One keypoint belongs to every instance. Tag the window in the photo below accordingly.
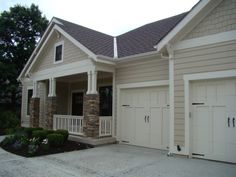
(29, 96)
(58, 52)
(105, 100)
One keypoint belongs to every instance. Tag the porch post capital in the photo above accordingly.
(89, 87)
(35, 89)
(52, 87)
(94, 82)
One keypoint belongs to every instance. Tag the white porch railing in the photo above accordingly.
(74, 124)
(105, 126)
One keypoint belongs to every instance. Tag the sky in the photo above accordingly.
(112, 17)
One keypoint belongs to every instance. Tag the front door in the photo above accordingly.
(77, 103)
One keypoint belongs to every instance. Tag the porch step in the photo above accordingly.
(93, 141)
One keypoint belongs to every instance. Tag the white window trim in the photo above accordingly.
(62, 52)
(133, 85)
(194, 77)
(28, 88)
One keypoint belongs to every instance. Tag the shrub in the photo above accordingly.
(24, 141)
(8, 140)
(29, 130)
(55, 140)
(17, 145)
(41, 134)
(50, 131)
(64, 133)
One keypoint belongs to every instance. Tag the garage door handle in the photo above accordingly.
(233, 122)
(148, 119)
(145, 118)
(228, 122)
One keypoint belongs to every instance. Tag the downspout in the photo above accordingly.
(170, 51)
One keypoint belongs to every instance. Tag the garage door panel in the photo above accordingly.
(127, 122)
(166, 128)
(201, 130)
(156, 127)
(218, 136)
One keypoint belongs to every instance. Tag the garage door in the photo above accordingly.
(145, 117)
(214, 119)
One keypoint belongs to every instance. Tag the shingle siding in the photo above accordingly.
(221, 19)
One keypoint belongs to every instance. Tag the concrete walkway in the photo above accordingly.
(111, 161)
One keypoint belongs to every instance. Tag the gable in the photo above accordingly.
(71, 53)
(221, 19)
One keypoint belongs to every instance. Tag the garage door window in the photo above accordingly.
(105, 100)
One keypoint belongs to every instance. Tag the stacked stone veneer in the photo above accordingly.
(51, 109)
(91, 115)
(34, 112)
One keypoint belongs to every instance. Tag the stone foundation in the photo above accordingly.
(34, 112)
(91, 115)
(51, 109)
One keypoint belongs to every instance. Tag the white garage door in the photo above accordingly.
(214, 119)
(145, 117)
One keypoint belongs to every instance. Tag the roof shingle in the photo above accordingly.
(139, 40)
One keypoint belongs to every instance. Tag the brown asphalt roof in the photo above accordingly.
(139, 40)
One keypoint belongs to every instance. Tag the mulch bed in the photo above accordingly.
(67, 147)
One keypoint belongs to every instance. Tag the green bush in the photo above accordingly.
(9, 140)
(55, 140)
(64, 133)
(29, 130)
(50, 131)
(41, 134)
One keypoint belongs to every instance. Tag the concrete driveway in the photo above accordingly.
(111, 161)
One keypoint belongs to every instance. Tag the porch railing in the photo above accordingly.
(74, 124)
(105, 126)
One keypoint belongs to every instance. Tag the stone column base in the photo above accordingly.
(91, 115)
(51, 109)
(34, 112)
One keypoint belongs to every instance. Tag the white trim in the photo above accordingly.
(52, 87)
(193, 77)
(143, 84)
(71, 99)
(89, 74)
(94, 82)
(113, 103)
(64, 70)
(119, 87)
(35, 89)
(171, 97)
(62, 52)
(206, 40)
(115, 48)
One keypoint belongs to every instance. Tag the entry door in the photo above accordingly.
(214, 105)
(77, 103)
(145, 117)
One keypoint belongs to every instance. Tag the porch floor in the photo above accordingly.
(93, 141)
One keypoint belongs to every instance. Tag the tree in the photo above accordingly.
(20, 30)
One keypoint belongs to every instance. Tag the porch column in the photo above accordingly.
(51, 103)
(34, 106)
(91, 107)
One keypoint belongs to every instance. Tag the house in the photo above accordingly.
(168, 85)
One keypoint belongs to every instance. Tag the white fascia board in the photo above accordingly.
(36, 49)
(206, 40)
(182, 24)
(144, 84)
(137, 56)
(64, 70)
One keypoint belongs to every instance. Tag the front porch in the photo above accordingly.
(80, 103)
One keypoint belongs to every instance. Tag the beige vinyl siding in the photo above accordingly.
(147, 69)
(71, 54)
(196, 60)
(221, 19)
(24, 117)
